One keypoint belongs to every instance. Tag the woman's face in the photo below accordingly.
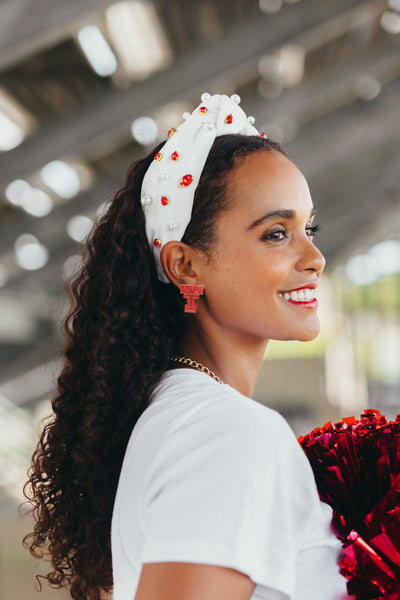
(263, 272)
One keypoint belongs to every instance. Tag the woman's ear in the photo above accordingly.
(177, 262)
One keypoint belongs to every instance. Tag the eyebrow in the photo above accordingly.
(284, 213)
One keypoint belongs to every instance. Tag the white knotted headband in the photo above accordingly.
(171, 180)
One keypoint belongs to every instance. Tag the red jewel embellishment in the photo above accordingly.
(228, 119)
(262, 134)
(164, 200)
(186, 180)
(158, 156)
(203, 110)
(171, 132)
(174, 156)
(157, 242)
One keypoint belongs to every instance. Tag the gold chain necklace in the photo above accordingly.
(195, 365)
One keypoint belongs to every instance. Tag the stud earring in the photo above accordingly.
(191, 293)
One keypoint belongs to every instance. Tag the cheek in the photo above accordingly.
(249, 277)
(248, 270)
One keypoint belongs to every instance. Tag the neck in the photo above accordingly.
(231, 356)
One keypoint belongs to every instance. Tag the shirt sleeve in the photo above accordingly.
(231, 488)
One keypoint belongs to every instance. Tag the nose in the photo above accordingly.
(310, 258)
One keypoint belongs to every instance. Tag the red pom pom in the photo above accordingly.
(356, 464)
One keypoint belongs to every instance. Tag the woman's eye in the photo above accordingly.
(312, 230)
(280, 234)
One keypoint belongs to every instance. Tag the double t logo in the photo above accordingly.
(191, 293)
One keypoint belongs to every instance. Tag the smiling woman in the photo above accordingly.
(160, 477)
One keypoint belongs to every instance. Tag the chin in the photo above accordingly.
(309, 335)
(304, 335)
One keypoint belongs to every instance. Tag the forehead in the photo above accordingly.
(267, 180)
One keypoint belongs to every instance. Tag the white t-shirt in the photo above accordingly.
(211, 476)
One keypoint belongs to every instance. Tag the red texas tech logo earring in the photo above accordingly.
(191, 293)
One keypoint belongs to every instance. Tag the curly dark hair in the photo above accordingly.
(121, 330)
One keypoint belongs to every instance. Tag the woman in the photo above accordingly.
(215, 498)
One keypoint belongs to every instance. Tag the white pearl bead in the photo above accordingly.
(173, 226)
(186, 115)
(235, 98)
(251, 120)
(164, 176)
(210, 126)
(205, 97)
(146, 200)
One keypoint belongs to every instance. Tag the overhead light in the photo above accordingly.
(37, 203)
(270, 7)
(15, 190)
(30, 253)
(78, 227)
(394, 5)
(367, 87)
(390, 22)
(15, 121)
(61, 178)
(33, 200)
(11, 135)
(291, 64)
(138, 38)
(99, 54)
(145, 130)
(268, 66)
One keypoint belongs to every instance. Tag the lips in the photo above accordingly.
(301, 295)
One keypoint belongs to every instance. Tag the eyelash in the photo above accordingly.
(311, 230)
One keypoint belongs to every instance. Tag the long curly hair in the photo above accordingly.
(121, 330)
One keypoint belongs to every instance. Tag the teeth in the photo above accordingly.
(305, 295)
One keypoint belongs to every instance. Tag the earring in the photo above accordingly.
(191, 293)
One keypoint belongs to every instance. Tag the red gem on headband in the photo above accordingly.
(164, 200)
(228, 119)
(157, 242)
(171, 132)
(186, 180)
(174, 156)
(203, 110)
(158, 156)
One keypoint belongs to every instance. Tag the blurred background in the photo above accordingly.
(88, 86)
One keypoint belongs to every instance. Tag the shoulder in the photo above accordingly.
(197, 409)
